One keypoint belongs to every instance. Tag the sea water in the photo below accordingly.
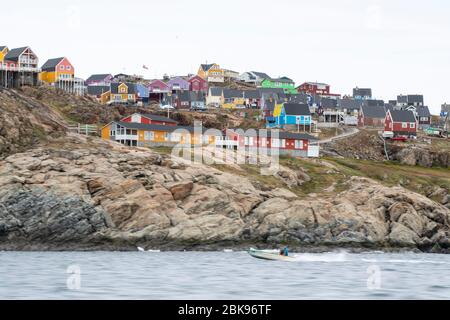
(222, 275)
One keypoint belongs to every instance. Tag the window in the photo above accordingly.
(166, 136)
(149, 135)
(404, 125)
(61, 67)
(68, 68)
(275, 143)
(283, 143)
(412, 125)
(298, 144)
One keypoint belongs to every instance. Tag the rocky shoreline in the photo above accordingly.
(78, 193)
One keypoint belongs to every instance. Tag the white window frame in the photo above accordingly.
(412, 125)
(404, 125)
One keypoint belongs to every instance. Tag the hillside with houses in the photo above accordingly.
(95, 161)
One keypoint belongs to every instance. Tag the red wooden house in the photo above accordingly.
(197, 83)
(371, 116)
(150, 119)
(400, 123)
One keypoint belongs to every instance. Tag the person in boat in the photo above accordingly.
(284, 252)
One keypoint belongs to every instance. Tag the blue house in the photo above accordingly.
(143, 93)
(291, 114)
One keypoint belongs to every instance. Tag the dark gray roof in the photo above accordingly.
(216, 91)
(270, 90)
(158, 118)
(413, 98)
(97, 90)
(252, 94)
(423, 111)
(362, 92)
(270, 105)
(271, 133)
(155, 127)
(232, 93)
(51, 64)
(98, 77)
(297, 109)
(373, 103)
(297, 98)
(373, 112)
(402, 99)
(14, 54)
(328, 103)
(196, 96)
(402, 116)
(115, 87)
(388, 106)
(350, 104)
(261, 74)
(206, 67)
(184, 96)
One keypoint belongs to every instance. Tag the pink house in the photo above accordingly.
(158, 86)
(197, 83)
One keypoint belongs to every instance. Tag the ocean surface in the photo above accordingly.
(222, 275)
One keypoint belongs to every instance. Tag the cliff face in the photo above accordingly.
(78, 193)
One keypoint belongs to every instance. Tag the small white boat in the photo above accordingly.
(269, 255)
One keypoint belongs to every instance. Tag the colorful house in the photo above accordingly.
(291, 114)
(290, 143)
(152, 135)
(400, 123)
(58, 69)
(423, 117)
(158, 86)
(215, 97)
(143, 93)
(99, 80)
(178, 83)
(371, 116)
(211, 72)
(254, 77)
(146, 118)
(197, 83)
(123, 93)
(101, 93)
(285, 83)
(233, 99)
(21, 58)
(3, 51)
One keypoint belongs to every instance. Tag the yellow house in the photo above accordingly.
(211, 72)
(3, 51)
(123, 93)
(277, 110)
(139, 134)
(55, 70)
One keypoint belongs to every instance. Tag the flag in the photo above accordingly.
(145, 67)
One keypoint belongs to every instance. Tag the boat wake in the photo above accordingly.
(321, 257)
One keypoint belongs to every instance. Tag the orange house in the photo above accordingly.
(58, 69)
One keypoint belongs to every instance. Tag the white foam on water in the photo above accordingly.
(321, 257)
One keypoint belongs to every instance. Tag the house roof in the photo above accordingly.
(184, 96)
(98, 77)
(252, 94)
(216, 91)
(115, 87)
(282, 79)
(402, 116)
(155, 127)
(206, 67)
(415, 98)
(362, 92)
(51, 64)
(97, 90)
(351, 104)
(298, 98)
(316, 83)
(373, 112)
(2, 48)
(271, 133)
(297, 109)
(423, 111)
(232, 93)
(261, 74)
(155, 117)
(373, 102)
(14, 54)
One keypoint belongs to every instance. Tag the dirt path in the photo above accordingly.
(345, 134)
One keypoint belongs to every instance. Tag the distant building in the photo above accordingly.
(230, 75)
(254, 77)
(423, 117)
(18, 67)
(362, 93)
(288, 85)
(445, 109)
(371, 116)
(373, 103)
(99, 80)
(123, 93)
(197, 83)
(401, 123)
(101, 93)
(178, 83)
(415, 100)
(58, 69)
(211, 73)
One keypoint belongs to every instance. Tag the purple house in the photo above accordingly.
(99, 80)
(178, 83)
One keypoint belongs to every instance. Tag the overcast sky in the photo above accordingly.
(392, 46)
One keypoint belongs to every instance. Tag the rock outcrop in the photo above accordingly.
(83, 193)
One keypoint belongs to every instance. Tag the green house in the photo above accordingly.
(288, 85)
